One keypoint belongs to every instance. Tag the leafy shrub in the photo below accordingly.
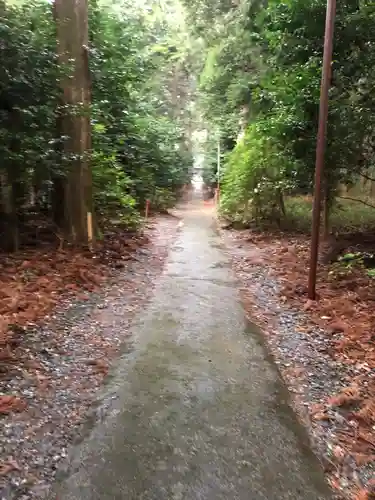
(138, 144)
(253, 183)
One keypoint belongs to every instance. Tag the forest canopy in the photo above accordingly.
(133, 119)
(259, 87)
(163, 83)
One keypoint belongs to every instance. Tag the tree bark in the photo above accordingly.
(9, 217)
(72, 40)
(281, 202)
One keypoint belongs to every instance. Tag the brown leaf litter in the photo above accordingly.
(345, 310)
(57, 349)
(32, 282)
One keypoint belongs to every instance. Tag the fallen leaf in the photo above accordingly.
(338, 327)
(100, 365)
(364, 495)
(9, 404)
(8, 466)
(321, 416)
(347, 396)
(309, 304)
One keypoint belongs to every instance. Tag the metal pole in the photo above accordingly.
(321, 143)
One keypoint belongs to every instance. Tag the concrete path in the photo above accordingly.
(200, 411)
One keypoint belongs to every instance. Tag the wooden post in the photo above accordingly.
(147, 209)
(90, 231)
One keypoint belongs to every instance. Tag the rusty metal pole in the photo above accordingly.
(321, 144)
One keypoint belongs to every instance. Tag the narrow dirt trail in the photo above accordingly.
(197, 409)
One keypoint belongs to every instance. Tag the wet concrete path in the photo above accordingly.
(200, 411)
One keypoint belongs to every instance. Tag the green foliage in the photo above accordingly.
(162, 199)
(255, 176)
(262, 69)
(291, 88)
(139, 134)
(209, 155)
(347, 216)
(250, 66)
(28, 92)
(140, 137)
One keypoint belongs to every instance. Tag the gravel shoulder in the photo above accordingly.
(317, 379)
(49, 395)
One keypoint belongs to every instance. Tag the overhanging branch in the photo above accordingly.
(356, 199)
(367, 177)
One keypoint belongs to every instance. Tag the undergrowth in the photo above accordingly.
(347, 215)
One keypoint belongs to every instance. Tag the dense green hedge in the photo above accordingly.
(262, 66)
(138, 151)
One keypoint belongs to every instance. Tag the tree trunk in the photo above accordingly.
(9, 226)
(58, 201)
(281, 202)
(72, 38)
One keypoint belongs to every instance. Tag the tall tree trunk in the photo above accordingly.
(9, 226)
(13, 182)
(72, 39)
(281, 202)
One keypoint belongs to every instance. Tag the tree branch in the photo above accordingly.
(356, 199)
(367, 177)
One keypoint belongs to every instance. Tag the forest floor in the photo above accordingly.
(325, 349)
(66, 315)
(51, 365)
